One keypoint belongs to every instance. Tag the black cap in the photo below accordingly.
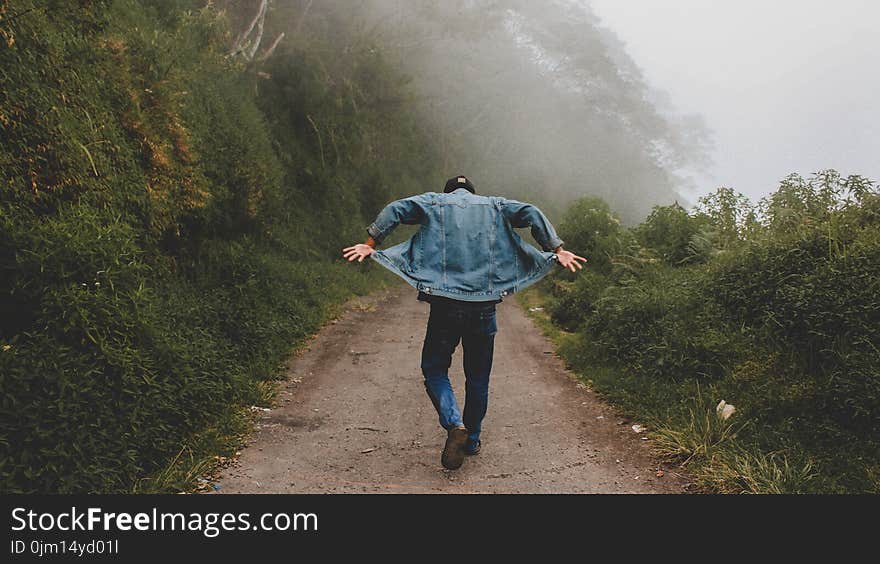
(457, 182)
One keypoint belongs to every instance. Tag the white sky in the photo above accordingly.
(785, 85)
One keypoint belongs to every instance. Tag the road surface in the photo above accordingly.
(353, 417)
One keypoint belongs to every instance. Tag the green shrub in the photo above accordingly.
(590, 229)
(675, 235)
(575, 301)
(664, 326)
(166, 234)
(729, 218)
(821, 311)
(783, 320)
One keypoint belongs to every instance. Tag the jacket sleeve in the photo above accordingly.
(409, 211)
(521, 214)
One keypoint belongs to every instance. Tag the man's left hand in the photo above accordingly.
(359, 252)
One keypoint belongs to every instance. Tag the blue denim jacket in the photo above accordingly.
(467, 248)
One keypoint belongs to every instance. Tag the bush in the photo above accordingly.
(576, 301)
(166, 234)
(820, 309)
(590, 229)
(675, 235)
(784, 319)
(664, 327)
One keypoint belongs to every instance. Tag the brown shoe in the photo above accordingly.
(453, 452)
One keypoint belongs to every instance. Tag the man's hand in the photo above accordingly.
(359, 252)
(569, 260)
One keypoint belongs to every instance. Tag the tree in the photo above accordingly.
(590, 229)
(673, 234)
(729, 214)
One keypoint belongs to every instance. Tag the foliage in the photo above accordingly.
(778, 311)
(575, 300)
(170, 228)
(663, 326)
(814, 298)
(675, 235)
(706, 435)
(590, 229)
(730, 215)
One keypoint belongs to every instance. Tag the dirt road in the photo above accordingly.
(353, 416)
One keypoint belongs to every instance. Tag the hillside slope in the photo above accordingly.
(169, 221)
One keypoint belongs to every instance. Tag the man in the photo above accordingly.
(465, 258)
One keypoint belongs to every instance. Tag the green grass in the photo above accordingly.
(170, 232)
(747, 453)
(197, 464)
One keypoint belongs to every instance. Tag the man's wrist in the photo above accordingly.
(376, 234)
(558, 249)
(370, 242)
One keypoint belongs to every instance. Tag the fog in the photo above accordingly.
(638, 102)
(785, 86)
(537, 101)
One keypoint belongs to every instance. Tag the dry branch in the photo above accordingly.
(271, 49)
(258, 20)
(263, 9)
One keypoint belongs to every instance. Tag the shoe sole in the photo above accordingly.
(453, 452)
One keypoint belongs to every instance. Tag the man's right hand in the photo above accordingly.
(569, 260)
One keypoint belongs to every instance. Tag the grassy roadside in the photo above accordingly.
(197, 465)
(684, 424)
(744, 334)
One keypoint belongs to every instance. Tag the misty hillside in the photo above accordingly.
(171, 215)
(536, 100)
(532, 100)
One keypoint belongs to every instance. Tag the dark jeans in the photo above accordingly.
(475, 328)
